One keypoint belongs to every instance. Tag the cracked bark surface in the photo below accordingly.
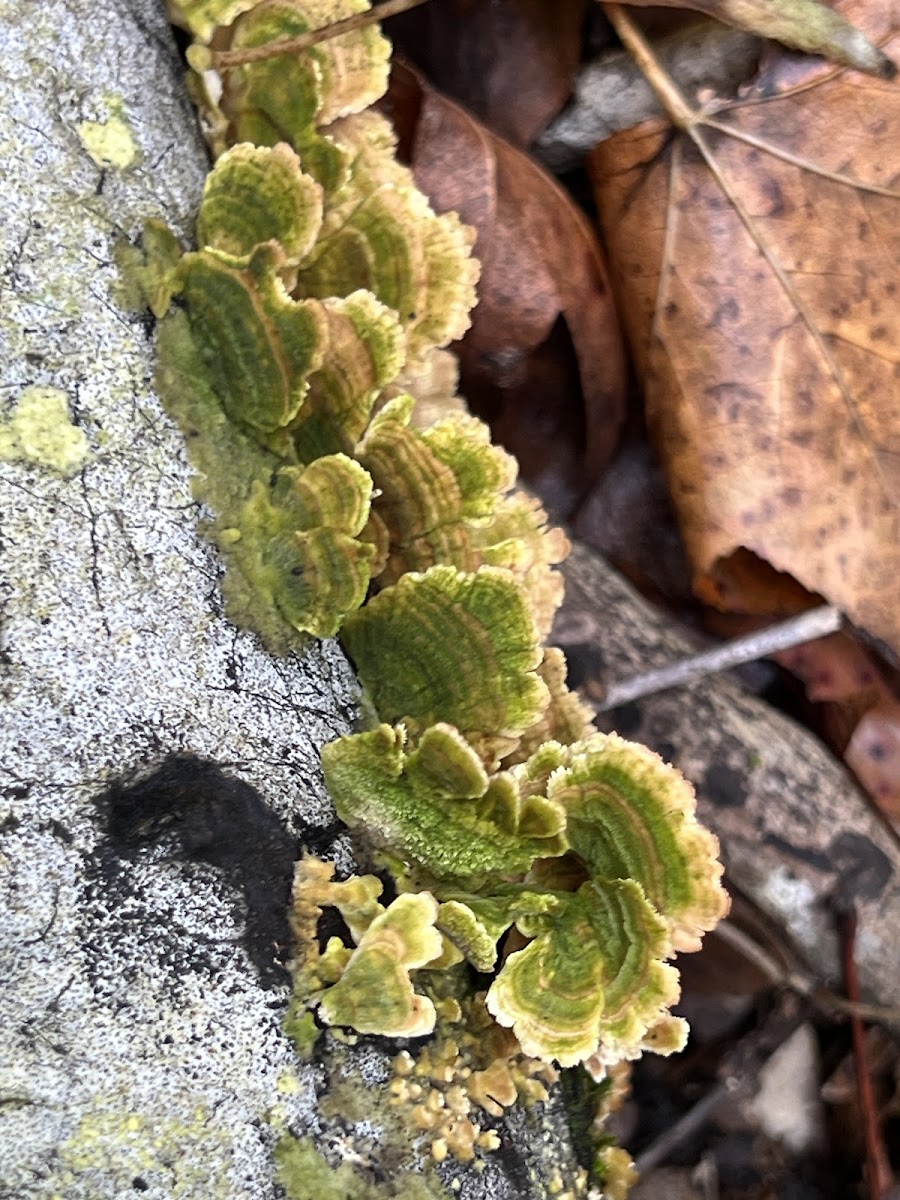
(158, 769)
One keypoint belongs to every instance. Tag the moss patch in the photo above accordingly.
(306, 1175)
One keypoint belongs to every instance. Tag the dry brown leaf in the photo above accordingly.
(834, 668)
(874, 755)
(807, 25)
(544, 356)
(512, 63)
(770, 358)
(746, 584)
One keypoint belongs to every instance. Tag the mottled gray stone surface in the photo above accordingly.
(141, 1043)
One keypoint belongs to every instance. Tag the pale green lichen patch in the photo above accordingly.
(123, 1145)
(300, 1026)
(110, 143)
(41, 431)
(305, 1174)
(157, 276)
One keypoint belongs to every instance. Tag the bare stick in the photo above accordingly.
(221, 60)
(878, 1171)
(794, 632)
(693, 1120)
(802, 982)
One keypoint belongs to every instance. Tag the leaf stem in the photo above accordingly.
(222, 60)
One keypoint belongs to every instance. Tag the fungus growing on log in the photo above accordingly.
(566, 863)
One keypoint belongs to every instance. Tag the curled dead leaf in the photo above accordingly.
(806, 25)
(543, 357)
(512, 63)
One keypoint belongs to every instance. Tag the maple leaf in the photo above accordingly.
(757, 267)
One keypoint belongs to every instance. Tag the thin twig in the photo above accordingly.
(794, 632)
(221, 60)
(878, 1170)
(692, 1121)
(792, 977)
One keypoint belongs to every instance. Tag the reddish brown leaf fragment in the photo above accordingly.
(543, 285)
(512, 63)
(874, 755)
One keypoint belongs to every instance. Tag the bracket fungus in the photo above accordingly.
(451, 646)
(631, 816)
(435, 805)
(592, 980)
(566, 863)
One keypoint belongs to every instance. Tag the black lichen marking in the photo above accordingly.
(865, 870)
(121, 928)
(527, 1156)
(724, 786)
(224, 822)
